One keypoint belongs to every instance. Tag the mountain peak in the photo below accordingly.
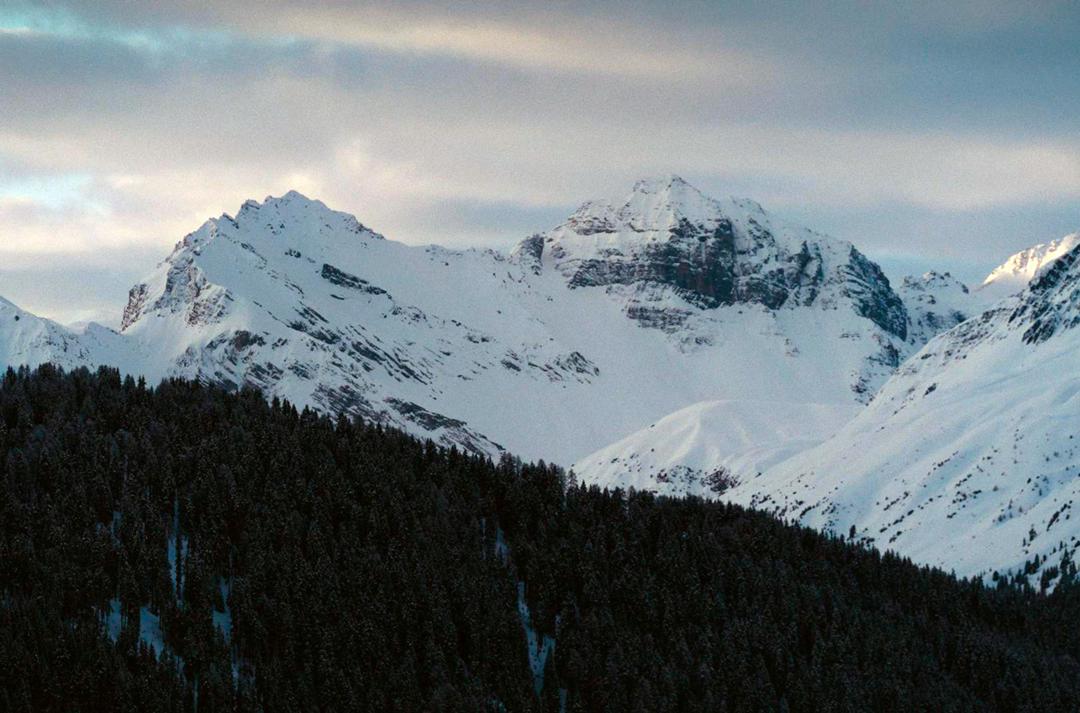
(1021, 268)
(292, 198)
(667, 234)
(657, 205)
(1051, 302)
(662, 182)
(296, 213)
(665, 201)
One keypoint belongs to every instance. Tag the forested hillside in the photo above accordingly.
(180, 548)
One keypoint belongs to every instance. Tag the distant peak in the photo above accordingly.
(291, 198)
(935, 276)
(1022, 267)
(933, 280)
(664, 182)
(295, 198)
(293, 212)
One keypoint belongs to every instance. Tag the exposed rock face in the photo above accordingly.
(713, 253)
(137, 296)
(865, 283)
(1052, 302)
(343, 279)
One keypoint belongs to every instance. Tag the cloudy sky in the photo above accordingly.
(930, 134)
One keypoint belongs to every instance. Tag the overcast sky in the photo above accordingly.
(932, 135)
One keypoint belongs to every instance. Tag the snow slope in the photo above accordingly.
(968, 458)
(707, 447)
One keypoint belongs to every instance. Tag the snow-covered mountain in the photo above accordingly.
(969, 457)
(1014, 274)
(627, 312)
(668, 242)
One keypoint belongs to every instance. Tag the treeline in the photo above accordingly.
(181, 548)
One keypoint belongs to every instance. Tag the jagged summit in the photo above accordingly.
(296, 213)
(709, 253)
(662, 182)
(672, 189)
(292, 218)
(663, 202)
(655, 207)
(933, 278)
(1051, 302)
(291, 199)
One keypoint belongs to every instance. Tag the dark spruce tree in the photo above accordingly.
(185, 549)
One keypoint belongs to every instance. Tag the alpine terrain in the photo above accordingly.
(969, 457)
(666, 341)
